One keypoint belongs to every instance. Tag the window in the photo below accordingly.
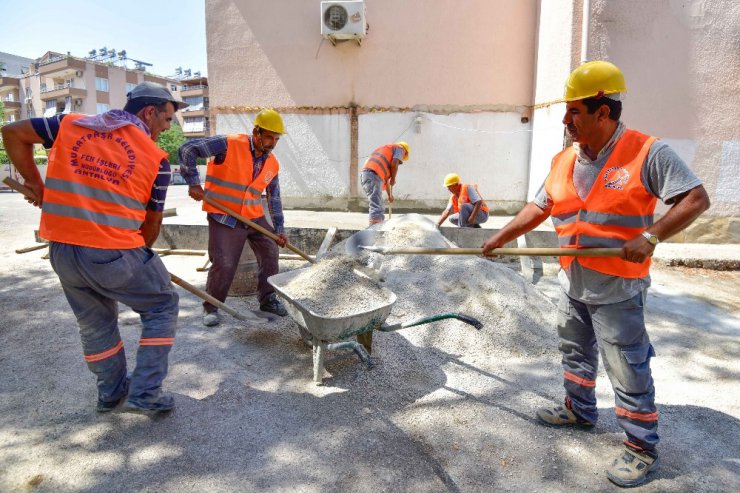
(193, 100)
(102, 108)
(52, 103)
(130, 87)
(101, 84)
(173, 87)
(194, 124)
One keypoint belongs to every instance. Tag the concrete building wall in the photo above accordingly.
(464, 70)
(682, 65)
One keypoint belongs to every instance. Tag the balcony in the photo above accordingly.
(11, 103)
(9, 84)
(62, 68)
(62, 90)
(198, 90)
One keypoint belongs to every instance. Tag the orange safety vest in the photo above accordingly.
(380, 162)
(617, 209)
(97, 186)
(231, 183)
(455, 201)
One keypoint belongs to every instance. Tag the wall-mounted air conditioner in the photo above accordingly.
(343, 19)
(78, 102)
(78, 73)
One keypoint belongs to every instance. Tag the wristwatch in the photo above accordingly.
(652, 239)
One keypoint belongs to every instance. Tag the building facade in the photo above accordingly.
(57, 83)
(471, 86)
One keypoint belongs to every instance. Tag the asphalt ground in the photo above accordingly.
(250, 418)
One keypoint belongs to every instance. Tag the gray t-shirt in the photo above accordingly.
(666, 175)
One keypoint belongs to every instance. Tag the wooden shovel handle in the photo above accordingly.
(256, 226)
(527, 252)
(19, 187)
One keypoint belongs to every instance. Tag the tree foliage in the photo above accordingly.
(170, 141)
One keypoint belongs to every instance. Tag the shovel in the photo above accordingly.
(255, 226)
(365, 240)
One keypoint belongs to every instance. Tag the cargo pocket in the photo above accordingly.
(638, 357)
(154, 269)
(111, 269)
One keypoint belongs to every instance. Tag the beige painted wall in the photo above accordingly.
(681, 60)
(417, 52)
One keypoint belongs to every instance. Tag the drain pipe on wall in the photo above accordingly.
(584, 30)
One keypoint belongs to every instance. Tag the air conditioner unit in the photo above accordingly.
(78, 102)
(78, 73)
(343, 20)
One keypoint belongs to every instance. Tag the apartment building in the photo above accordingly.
(12, 68)
(58, 83)
(196, 121)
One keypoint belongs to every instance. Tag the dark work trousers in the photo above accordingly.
(225, 247)
(618, 332)
(95, 280)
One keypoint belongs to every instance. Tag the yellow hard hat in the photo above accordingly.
(405, 149)
(597, 78)
(452, 179)
(271, 120)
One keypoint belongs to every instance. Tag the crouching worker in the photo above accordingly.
(466, 208)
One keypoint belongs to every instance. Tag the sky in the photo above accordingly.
(165, 33)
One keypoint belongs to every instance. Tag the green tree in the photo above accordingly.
(170, 141)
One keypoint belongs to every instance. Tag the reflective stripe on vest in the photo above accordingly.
(231, 182)
(617, 209)
(465, 199)
(97, 186)
(380, 162)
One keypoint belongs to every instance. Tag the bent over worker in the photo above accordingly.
(602, 192)
(466, 208)
(378, 174)
(244, 167)
(101, 210)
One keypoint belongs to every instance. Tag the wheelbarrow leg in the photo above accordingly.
(319, 353)
(366, 340)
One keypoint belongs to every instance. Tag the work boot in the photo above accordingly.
(108, 406)
(562, 415)
(210, 319)
(272, 305)
(165, 403)
(632, 466)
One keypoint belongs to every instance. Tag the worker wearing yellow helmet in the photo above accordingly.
(242, 169)
(378, 174)
(602, 192)
(466, 207)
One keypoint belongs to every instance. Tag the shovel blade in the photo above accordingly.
(359, 240)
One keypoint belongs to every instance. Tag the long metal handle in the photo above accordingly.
(527, 252)
(432, 318)
(259, 228)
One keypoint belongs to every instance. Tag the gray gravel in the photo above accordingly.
(446, 408)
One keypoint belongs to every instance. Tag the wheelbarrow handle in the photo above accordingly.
(432, 318)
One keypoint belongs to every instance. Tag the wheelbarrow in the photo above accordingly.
(326, 333)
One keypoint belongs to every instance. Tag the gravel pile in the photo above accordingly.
(518, 319)
(333, 288)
